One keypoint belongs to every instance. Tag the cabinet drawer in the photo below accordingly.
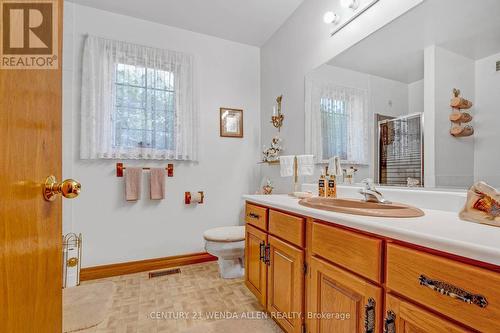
(446, 286)
(256, 216)
(287, 227)
(358, 253)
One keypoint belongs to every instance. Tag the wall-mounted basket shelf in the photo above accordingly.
(458, 117)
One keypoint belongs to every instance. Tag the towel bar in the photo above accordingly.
(120, 168)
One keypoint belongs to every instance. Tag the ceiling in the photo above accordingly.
(250, 22)
(469, 28)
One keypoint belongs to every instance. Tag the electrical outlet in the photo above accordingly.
(498, 66)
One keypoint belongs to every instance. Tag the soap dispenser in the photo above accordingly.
(336, 170)
(331, 190)
(322, 185)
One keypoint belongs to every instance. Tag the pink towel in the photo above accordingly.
(157, 183)
(133, 178)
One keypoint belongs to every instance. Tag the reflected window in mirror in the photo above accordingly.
(336, 122)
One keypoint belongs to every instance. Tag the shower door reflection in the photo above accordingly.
(400, 151)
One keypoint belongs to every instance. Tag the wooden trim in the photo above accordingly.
(104, 271)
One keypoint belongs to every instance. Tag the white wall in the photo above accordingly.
(416, 97)
(116, 231)
(453, 158)
(388, 97)
(300, 45)
(486, 121)
(429, 116)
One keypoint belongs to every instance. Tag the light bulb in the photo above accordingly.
(330, 17)
(353, 4)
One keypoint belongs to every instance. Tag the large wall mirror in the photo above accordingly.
(384, 105)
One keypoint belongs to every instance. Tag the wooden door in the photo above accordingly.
(30, 227)
(341, 301)
(404, 317)
(255, 267)
(285, 284)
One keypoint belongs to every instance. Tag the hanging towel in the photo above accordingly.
(305, 165)
(286, 165)
(334, 166)
(157, 183)
(133, 178)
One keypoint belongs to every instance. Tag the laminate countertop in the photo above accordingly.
(439, 230)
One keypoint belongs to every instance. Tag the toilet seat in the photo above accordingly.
(225, 234)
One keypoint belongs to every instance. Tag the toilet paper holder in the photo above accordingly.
(196, 197)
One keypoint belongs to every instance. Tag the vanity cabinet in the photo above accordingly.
(274, 264)
(347, 281)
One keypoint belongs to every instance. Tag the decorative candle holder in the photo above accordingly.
(278, 117)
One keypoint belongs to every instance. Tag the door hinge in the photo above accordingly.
(305, 268)
(304, 329)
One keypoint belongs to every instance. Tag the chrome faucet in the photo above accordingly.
(370, 192)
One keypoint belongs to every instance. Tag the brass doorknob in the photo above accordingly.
(69, 188)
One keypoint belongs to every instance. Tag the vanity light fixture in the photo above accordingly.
(331, 18)
(357, 6)
(352, 4)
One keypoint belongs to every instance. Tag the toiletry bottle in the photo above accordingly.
(322, 185)
(331, 191)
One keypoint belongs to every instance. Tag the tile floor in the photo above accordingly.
(158, 305)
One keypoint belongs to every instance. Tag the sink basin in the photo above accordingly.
(359, 207)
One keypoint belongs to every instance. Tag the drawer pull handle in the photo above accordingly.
(262, 251)
(370, 316)
(452, 291)
(254, 216)
(390, 322)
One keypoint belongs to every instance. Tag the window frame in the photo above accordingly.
(147, 109)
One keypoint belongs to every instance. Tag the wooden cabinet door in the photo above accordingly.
(255, 268)
(404, 317)
(285, 284)
(341, 301)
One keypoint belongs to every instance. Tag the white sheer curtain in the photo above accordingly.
(336, 122)
(108, 64)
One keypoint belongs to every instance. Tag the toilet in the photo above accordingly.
(228, 245)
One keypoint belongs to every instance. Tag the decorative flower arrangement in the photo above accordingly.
(272, 154)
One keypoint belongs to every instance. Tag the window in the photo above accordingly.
(144, 112)
(138, 102)
(334, 123)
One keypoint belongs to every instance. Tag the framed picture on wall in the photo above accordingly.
(231, 123)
